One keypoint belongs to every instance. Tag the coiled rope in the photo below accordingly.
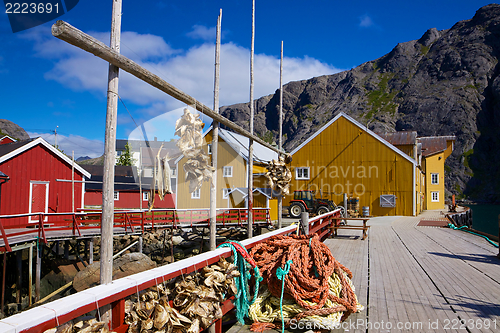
(241, 258)
(307, 282)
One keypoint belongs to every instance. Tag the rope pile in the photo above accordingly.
(316, 286)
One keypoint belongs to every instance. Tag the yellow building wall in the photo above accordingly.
(434, 164)
(345, 159)
(226, 157)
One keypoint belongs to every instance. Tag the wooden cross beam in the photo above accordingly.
(73, 36)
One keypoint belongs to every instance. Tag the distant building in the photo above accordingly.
(6, 139)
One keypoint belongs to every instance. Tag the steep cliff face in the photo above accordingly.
(7, 127)
(445, 83)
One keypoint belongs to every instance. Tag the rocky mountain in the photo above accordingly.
(445, 83)
(7, 127)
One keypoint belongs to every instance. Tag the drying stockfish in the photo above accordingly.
(196, 301)
(197, 167)
(161, 178)
(279, 175)
(87, 326)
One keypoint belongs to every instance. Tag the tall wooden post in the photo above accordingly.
(91, 251)
(38, 270)
(280, 139)
(30, 275)
(2, 301)
(108, 186)
(215, 141)
(250, 148)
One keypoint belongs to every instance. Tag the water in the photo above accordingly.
(485, 218)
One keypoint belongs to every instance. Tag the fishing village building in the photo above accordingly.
(344, 157)
(232, 176)
(40, 181)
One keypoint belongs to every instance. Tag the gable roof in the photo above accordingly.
(11, 150)
(2, 139)
(400, 138)
(363, 128)
(240, 144)
(435, 144)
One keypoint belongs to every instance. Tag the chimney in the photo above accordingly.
(156, 139)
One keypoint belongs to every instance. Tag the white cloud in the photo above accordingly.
(202, 32)
(80, 145)
(365, 21)
(191, 70)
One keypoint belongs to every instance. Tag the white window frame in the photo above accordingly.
(436, 193)
(227, 171)
(435, 176)
(299, 173)
(145, 196)
(209, 149)
(225, 193)
(116, 195)
(196, 194)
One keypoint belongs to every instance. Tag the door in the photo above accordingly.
(39, 199)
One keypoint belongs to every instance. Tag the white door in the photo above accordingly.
(39, 199)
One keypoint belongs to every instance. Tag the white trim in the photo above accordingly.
(193, 194)
(38, 141)
(145, 196)
(414, 190)
(432, 196)
(117, 196)
(302, 177)
(6, 136)
(432, 178)
(362, 127)
(83, 196)
(229, 174)
(225, 192)
(46, 208)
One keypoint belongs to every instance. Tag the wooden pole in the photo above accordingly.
(106, 262)
(280, 140)
(250, 148)
(71, 35)
(38, 270)
(215, 142)
(91, 251)
(73, 182)
(30, 275)
(19, 257)
(2, 301)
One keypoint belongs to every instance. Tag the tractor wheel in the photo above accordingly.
(296, 209)
(322, 210)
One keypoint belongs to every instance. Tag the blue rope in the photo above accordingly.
(280, 273)
(241, 302)
(464, 228)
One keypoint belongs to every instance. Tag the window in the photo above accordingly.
(302, 173)
(435, 196)
(434, 178)
(227, 171)
(209, 148)
(174, 172)
(225, 193)
(387, 200)
(195, 194)
(145, 196)
(116, 196)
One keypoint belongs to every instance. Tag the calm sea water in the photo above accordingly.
(485, 218)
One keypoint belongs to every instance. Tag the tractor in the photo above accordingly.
(304, 201)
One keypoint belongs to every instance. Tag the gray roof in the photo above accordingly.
(240, 144)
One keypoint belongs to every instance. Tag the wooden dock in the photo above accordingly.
(419, 279)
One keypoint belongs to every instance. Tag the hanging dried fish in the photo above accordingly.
(197, 167)
(279, 175)
(161, 178)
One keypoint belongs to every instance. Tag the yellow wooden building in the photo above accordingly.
(430, 154)
(345, 157)
(232, 176)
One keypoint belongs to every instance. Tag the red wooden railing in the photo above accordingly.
(129, 221)
(58, 312)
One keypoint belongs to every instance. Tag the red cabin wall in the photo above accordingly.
(37, 164)
(5, 140)
(129, 200)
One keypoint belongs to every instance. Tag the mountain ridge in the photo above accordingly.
(445, 83)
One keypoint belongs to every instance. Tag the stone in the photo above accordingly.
(125, 265)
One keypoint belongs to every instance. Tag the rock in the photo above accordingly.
(125, 265)
(7, 127)
(176, 240)
(445, 83)
(59, 276)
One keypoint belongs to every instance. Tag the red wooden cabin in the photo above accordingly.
(39, 175)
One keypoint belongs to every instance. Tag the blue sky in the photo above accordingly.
(47, 83)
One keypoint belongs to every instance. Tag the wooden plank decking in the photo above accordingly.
(424, 279)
